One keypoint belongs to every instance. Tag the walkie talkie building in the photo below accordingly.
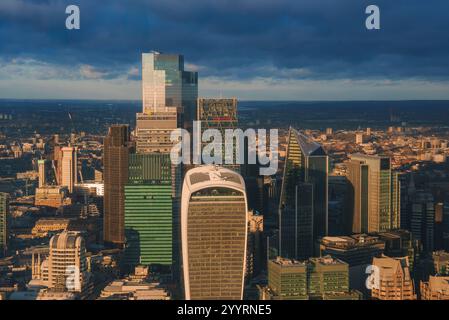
(214, 233)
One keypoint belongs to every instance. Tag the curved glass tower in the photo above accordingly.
(214, 233)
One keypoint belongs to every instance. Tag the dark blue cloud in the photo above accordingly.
(237, 39)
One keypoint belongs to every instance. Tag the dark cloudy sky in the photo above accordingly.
(252, 49)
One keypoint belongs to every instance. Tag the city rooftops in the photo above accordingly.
(368, 156)
(285, 262)
(327, 260)
(353, 241)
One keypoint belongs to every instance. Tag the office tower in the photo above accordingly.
(42, 172)
(148, 210)
(323, 278)
(296, 222)
(57, 164)
(376, 194)
(392, 280)
(329, 131)
(423, 219)
(437, 288)
(4, 211)
(67, 265)
(214, 233)
(69, 167)
(303, 208)
(339, 215)
(255, 258)
(117, 147)
(165, 83)
(169, 97)
(442, 226)
(219, 114)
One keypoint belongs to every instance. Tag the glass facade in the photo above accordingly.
(303, 203)
(216, 227)
(166, 84)
(149, 211)
(214, 233)
(376, 190)
(219, 114)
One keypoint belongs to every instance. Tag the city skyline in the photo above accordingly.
(211, 180)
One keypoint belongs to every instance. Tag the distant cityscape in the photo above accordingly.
(93, 207)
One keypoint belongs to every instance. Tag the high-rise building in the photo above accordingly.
(117, 147)
(392, 279)
(42, 173)
(219, 114)
(423, 219)
(149, 211)
(169, 95)
(67, 265)
(165, 83)
(69, 167)
(376, 194)
(4, 208)
(303, 207)
(214, 233)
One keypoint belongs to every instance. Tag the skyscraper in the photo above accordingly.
(117, 147)
(423, 219)
(4, 207)
(376, 194)
(303, 211)
(166, 85)
(69, 167)
(219, 114)
(169, 95)
(214, 233)
(148, 210)
(42, 173)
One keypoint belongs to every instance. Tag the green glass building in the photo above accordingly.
(149, 211)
